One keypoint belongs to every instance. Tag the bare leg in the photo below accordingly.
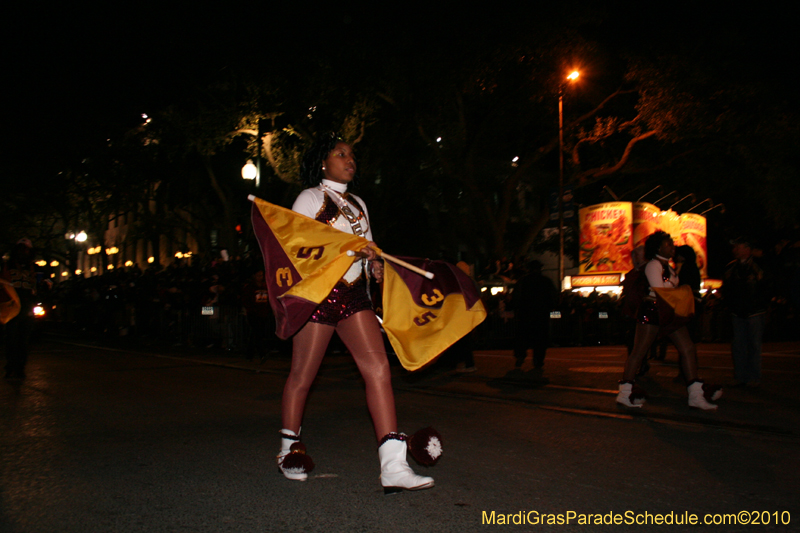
(362, 336)
(688, 353)
(308, 349)
(696, 389)
(645, 335)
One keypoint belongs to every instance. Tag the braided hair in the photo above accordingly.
(311, 166)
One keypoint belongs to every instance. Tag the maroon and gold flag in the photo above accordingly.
(423, 317)
(303, 260)
(9, 302)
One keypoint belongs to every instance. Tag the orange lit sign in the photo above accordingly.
(646, 218)
(610, 232)
(606, 238)
(596, 281)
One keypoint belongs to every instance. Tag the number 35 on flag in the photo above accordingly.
(437, 297)
(426, 317)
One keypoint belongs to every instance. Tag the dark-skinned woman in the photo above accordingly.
(659, 249)
(327, 169)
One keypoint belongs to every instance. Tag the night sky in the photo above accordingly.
(78, 75)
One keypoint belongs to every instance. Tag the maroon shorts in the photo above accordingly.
(343, 302)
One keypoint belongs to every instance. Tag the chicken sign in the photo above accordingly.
(606, 238)
(610, 232)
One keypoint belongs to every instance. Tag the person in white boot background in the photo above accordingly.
(659, 249)
(327, 169)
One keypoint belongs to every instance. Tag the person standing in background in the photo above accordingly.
(745, 289)
(255, 300)
(689, 274)
(533, 297)
(463, 348)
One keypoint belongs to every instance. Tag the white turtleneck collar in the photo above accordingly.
(341, 188)
(662, 258)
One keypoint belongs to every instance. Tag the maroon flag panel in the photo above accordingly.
(448, 279)
(280, 274)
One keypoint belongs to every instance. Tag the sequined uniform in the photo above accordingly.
(659, 274)
(349, 296)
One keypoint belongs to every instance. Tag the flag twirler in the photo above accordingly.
(423, 317)
(303, 260)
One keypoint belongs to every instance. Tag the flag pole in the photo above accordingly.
(400, 262)
(411, 267)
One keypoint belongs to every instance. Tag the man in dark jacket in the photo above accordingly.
(745, 291)
(532, 300)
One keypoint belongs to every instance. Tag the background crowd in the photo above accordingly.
(221, 304)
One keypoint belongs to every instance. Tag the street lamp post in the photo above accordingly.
(572, 77)
(73, 251)
(252, 171)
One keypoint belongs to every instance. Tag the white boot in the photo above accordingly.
(395, 472)
(288, 437)
(697, 397)
(624, 396)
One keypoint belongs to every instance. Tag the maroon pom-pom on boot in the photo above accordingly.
(630, 395)
(425, 446)
(292, 459)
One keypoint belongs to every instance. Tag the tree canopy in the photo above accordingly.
(455, 127)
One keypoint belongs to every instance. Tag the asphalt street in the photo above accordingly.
(111, 437)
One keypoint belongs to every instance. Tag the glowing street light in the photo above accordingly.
(249, 170)
(252, 171)
(572, 77)
(73, 248)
